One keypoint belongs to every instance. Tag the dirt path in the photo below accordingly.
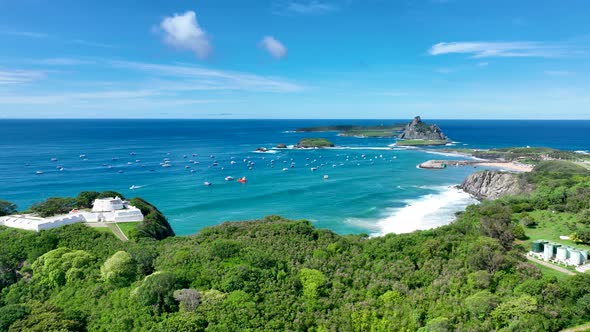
(117, 231)
(551, 266)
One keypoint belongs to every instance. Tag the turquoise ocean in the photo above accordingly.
(370, 187)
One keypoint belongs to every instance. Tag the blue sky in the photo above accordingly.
(472, 59)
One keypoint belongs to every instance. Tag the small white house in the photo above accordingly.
(103, 210)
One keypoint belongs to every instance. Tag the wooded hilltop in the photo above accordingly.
(277, 274)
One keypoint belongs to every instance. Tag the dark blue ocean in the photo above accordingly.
(371, 188)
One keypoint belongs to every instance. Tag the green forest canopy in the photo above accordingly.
(277, 274)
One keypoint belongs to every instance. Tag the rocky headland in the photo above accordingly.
(493, 184)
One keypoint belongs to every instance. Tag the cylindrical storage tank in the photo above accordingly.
(584, 254)
(561, 254)
(537, 246)
(555, 246)
(575, 257)
(569, 251)
(548, 252)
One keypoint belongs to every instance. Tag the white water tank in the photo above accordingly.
(575, 257)
(548, 252)
(561, 254)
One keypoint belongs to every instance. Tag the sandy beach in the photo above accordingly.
(509, 166)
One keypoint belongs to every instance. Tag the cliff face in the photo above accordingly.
(492, 184)
(420, 130)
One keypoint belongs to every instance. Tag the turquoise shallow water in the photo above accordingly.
(371, 188)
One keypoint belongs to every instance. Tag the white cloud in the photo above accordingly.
(62, 62)
(313, 7)
(27, 34)
(273, 47)
(19, 76)
(89, 43)
(198, 78)
(482, 64)
(500, 49)
(183, 31)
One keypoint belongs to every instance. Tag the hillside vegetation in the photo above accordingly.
(277, 274)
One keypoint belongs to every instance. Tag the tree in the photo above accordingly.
(481, 303)
(86, 198)
(61, 265)
(154, 225)
(582, 236)
(54, 206)
(528, 222)
(44, 318)
(311, 280)
(110, 194)
(496, 224)
(119, 269)
(189, 299)
(157, 291)
(10, 314)
(519, 232)
(584, 217)
(7, 208)
(513, 309)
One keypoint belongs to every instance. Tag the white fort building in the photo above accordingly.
(103, 210)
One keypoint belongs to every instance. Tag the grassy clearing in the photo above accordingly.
(551, 272)
(550, 227)
(128, 227)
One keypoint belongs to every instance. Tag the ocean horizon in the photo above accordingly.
(371, 188)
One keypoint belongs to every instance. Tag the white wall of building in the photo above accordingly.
(103, 210)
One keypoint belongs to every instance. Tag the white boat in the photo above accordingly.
(38, 172)
(82, 156)
(133, 187)
(285, 169)
(166, 165)
(207, 183)
(326, 177)
(53, 159)
(229, 178)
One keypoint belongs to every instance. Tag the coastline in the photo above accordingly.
(511, 166)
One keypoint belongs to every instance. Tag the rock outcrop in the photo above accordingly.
(492, 184)
(420, 130)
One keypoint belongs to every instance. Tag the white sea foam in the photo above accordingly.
(267, 151)
(426, 212)
(448, 154)
(582, 152)
(360, 148)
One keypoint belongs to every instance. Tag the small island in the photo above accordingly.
(357, 131)
(418, 133)
(307, 143)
